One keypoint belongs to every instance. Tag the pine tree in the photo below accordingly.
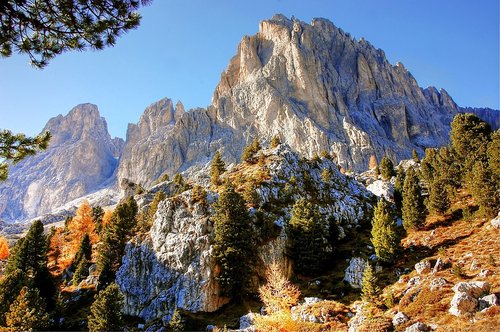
(398, 188)
(275, 141)
(247, 154)
(413, 203)
(10, 286)
(176, 323)
(369, 289)
(386, 168)
(27, 312)
(484, 189)
(85, 251)
(377, 171)
(469, 137)
(217, 168)
(82, 271)
(233, 244)
(384, 232)
(414, 156)
(493, 154)
(326, 175)
(438, 197)
(306, 234)
(256, 145)
(105, 312)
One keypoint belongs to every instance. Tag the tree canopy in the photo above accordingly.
(46, 28)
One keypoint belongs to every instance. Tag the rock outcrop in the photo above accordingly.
(81, 158)
(311, 84)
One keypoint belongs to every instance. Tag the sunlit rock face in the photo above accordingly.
(311, 84)
(81, 158)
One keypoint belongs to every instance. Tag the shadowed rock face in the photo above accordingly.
(311, 84)
(81, 157)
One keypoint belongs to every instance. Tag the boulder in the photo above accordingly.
(354, 272)
(399, 318)
(473, 288)
(485, 273)
(487, 301)
(246, 321)
(495, 222)
(415, 281)
(418, 327)
(423, 267)
(462, 303)
(437, 283)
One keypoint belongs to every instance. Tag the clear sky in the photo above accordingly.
(182, 46)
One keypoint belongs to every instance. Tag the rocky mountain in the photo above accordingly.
(311, 84)
(81, 158)
(486, 114)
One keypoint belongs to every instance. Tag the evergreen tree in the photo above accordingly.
(384, 232)
(176, 323)
(233, 244)
(326, 175)
(82, 271)
(16, 147)
(369, 289)
(386, 168)
(84, 251)
(398, 188)
(438, 197)
(217, 168)
(146, 219)
(469, 137)
(105, 312)
(10, 286)
(484, 189)
(413, 203)
(247, 154)
(306, 234)
(377, 171)
(256, 145)
(27, 312)
(414, 156)
(275, 141)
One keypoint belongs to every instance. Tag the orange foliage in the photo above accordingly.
(64, 245)
(373, 162)
(278, 294)
(4, 248)
(106, 218)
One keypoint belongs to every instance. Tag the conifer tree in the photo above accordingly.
(386, 168)
(27, 312)
(438, 197)
(398, 188)
(176, 323)
(216, 169)
(307, 234)
(4, 248)
(275, 141)
(469, 137)
(413, 204)
(233, 244)
(82, 271)
(384, 232)
(369, 288)
(493, 154)
(326, 175)
(256, 145)
(105, 312)
(484, 189)
(10, 286)
(97, 215)
(377, 171)
(414, 156)
(84, 251)
(278, 294)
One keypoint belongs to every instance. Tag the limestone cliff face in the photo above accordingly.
(311, 84)
(81, 158)
(173, 266)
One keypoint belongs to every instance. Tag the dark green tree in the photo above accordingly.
(384, 233)
(413, 203)
(233, 244)
(216, 169)
(386, 168)
(82, 271)
(105, 312)
(176, 323)
(493, 154)
(398, 188)
(439, 201)
(414, 156)
(247, 154)
(27, 312)
(369, 288)
(484, 189)
(16, 147)
(44, 29)
(306, 232)
(10, 286)
(84, 251)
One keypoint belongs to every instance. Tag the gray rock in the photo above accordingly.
(487, 301)
(399, 318)
(462, 303)
(437, 283)
(418, 327)
(246, 321)
(440, 265)
(473, 288)
(415, 281)
(495, 222)
(423, 267)
(485, 273)
(354, 272)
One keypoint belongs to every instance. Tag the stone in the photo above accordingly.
(399, 318)
(473, 288)
(246, 321)
(383, 189)
(354, 272)
(437, 283)
(495, 222)
(485, 273)
(415, 281)
(440, 265)
(474, 265)
(487, 301)
(423, 267)
(418, 327)
(462, 303)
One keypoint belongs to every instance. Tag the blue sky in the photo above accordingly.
(181, 48)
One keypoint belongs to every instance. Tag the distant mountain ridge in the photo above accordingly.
(311, 84)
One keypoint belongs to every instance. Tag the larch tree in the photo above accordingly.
(10, 286)
(384, 233)
(275, 141)
(216, 169)
(278, 294)
(44, 29)
(4, 248)
(386, 168)
(413, 210)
